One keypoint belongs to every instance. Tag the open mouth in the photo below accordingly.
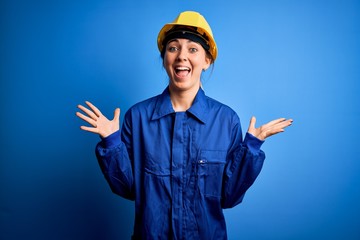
(182, 71)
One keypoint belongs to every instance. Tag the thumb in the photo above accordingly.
(116, 114)
(252, 122)
(251, 128)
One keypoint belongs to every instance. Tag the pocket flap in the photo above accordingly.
(212, 156)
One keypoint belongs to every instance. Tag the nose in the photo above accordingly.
(182, 56)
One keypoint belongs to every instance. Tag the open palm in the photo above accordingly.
(268, 129)
(100, 124)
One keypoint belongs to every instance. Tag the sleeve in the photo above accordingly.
(244, 163)
(115, 163)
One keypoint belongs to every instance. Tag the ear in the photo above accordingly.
(207, 63)
(163, 61)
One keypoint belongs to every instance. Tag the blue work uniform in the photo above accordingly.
(181, 168)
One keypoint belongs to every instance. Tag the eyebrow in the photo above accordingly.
(177, 40)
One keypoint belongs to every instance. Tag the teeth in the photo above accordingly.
(182, 68)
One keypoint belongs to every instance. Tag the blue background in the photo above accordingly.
(298, 59)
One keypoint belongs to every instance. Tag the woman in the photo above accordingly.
(180, 155)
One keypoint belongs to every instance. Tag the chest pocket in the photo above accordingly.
(210, 166)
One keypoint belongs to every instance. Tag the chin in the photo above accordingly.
(183, 86)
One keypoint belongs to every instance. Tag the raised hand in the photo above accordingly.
(100, 124)
(268, 129)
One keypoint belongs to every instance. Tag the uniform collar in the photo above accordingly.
(198, 109)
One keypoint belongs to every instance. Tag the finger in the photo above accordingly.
(284, 124)
(116, 114)
(86, 119)
(278, 128)
(287, 123)
(88, 112)
(89, 129)
(252, 123)
(95, 109)
(273, 122)
(273, 132)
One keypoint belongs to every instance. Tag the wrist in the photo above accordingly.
(111, 140)
(253, 143)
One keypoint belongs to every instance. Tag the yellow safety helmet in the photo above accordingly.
(194, 20)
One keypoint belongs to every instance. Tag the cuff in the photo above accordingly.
(112, 140)
(253, 143)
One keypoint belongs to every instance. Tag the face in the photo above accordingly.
(184, 61)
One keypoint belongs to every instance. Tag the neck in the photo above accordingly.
(182, 100)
